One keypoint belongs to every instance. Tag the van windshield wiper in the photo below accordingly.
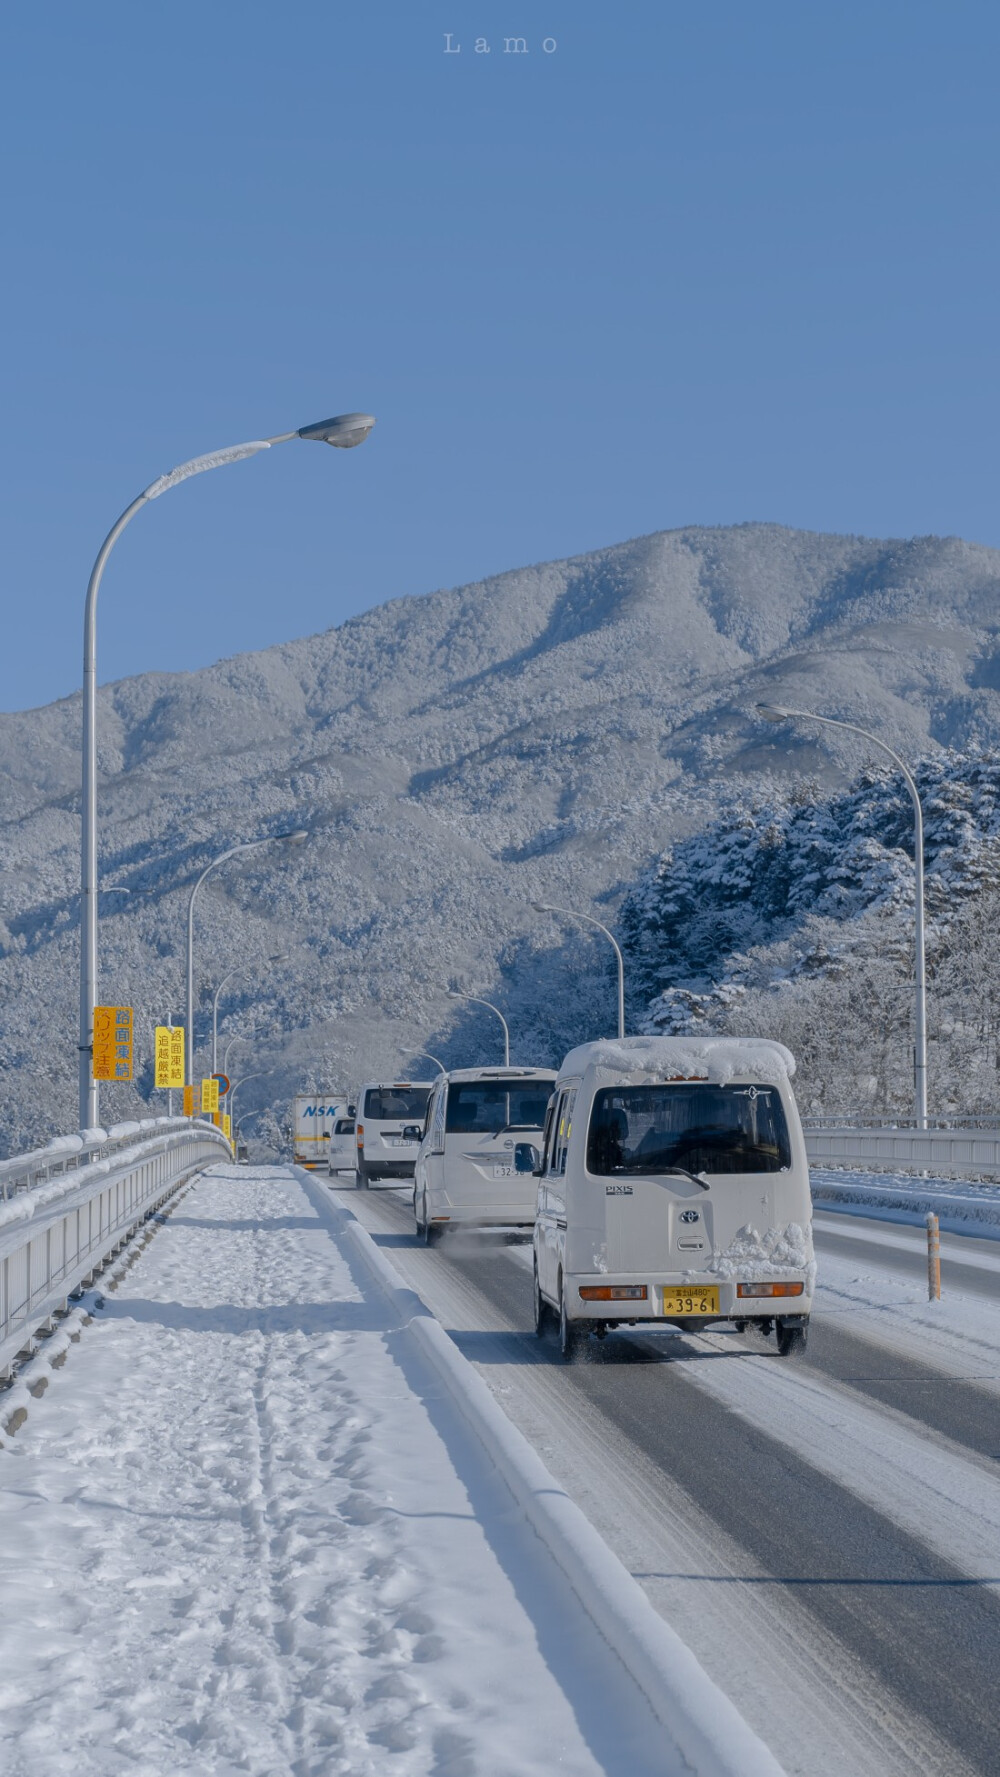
(654, 1171)
(697, 1178)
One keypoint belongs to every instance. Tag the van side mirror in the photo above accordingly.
(352, 1110)
(527, 1158)
(413, 1132)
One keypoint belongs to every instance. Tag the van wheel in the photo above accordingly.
(359, 1183)
(791, 1340)
(416, 1217)
(571, 1333)
(431, 1231)
(541, 1307)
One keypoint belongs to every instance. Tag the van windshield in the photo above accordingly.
(485, 1107)
(389, 1103)
(702, 1128)
(344, 1126)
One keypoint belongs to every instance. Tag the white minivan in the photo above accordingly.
(481, 1146)
(674, 1187)
(341, 1148)
(390, 1121)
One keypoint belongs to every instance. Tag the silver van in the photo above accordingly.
(674, 1187)
(388, 1127)
(481, 1146)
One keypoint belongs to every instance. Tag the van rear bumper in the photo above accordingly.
(481, 1215)
(793, 1309)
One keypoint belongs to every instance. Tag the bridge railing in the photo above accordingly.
(71, 1209)
(970, 1153)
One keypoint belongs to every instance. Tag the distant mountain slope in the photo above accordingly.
(544, 734)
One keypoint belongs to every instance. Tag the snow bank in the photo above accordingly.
(704, 1724)
(961, 1208)
(718, 1059)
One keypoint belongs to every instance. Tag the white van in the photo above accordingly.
(341, 1149)
(481, 1146)
(390, 1123)
(674, 1187)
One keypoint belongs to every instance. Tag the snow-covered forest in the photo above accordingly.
(792, 916)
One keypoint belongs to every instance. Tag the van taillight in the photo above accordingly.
(613, 1292)
(769, 1289)
(361, 1135)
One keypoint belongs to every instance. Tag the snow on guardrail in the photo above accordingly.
(64, 1153)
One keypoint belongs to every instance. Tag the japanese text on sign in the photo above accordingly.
(169, 1055)
(112, 1058)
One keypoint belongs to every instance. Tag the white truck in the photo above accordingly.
(313, 1118)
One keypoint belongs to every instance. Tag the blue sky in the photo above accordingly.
(702, 263)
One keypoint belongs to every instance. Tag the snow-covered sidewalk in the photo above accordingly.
(243, 1533)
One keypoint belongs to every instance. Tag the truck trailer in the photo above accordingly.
(313, 1114)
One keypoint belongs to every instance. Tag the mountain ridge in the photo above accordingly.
(543, 734)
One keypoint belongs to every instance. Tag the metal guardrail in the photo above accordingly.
(67, 1152)
(53, 1239)
(941, 1153)
(854, 1120)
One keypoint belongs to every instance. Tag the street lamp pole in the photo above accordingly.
(587, 919)
(428, 1057)
(778, 713)
(262, 1075)
(295, 838)
(344, 431)
(453, 994)
(238, 970)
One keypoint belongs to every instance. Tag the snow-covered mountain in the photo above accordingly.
(546, 734)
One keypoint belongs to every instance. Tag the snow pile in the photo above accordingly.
(752, 1257)
(961, 1206)
(718, 1059)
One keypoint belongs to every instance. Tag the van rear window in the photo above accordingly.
(389, 1103)
(699, 1127)
(481, 1107)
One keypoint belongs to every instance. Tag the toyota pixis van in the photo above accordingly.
(481, 1146)
(674, 1187)
(389, 1124)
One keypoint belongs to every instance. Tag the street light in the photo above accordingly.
(774, 712)
(238, 970)
(296, 838)
(423, 1052)
(453, 994)
(262, 1075)
(344, 431)
(588, 920)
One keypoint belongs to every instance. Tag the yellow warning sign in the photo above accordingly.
(169, 1055)
(209, 1096)
(112, 1058)
(189, 1101)
(227, 1125)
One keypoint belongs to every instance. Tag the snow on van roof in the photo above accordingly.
(709, 1058)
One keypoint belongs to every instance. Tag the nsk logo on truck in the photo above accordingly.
(312, 1114)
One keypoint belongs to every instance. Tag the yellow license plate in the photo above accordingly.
(690, 1301)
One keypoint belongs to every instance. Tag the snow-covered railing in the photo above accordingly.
(65, 1152)
(57, 1231)
(942, 1153)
